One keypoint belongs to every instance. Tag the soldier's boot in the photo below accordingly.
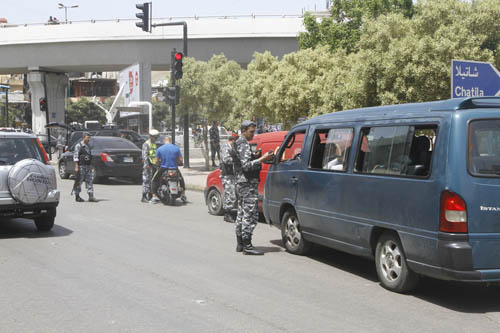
(78, 198)
(234, 214)
(239, 244)
(92, 198)
(144, 198)
(248, 248)
(228, 217)
(213, 164)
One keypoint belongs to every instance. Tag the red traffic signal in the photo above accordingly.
(177, 66)
(43, 104)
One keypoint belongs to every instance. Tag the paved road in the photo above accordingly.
(119, 265)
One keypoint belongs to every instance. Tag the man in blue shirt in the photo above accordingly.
(169, 157)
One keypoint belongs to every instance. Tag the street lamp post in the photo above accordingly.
(61, 6)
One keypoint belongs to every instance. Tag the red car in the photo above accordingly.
(214, 191)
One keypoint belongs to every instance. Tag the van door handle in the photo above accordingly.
(294, 180)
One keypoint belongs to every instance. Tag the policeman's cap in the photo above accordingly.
(154, 132)
(246, 124)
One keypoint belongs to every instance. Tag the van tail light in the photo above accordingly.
(106, 158)
(44, 153)
(453, 213)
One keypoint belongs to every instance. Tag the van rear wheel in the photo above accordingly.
(392, 268)
(291, 234)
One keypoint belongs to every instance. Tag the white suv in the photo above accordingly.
(28, 187)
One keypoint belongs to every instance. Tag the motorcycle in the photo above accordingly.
(169, 189)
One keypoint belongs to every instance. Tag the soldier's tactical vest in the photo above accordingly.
(84, 156)
(151, 152)
(249, 175)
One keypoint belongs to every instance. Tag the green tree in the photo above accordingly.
(343, 28)
(83, 110)
(253, 89)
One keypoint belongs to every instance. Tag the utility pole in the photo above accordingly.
(147, 14)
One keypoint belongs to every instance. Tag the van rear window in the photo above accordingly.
(484, 148)
(396, 150)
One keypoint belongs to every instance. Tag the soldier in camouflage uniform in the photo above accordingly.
(247, 167)
(82, 156)
(228, 181)
(149, 167)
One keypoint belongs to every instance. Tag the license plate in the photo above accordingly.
(173, 187)
(128, 159)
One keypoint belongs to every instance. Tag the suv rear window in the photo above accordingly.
(484, 148)
(13, 150)
(111, 143)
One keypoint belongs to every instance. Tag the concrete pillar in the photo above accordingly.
(52, 86)
(145, 78)
(57, 84)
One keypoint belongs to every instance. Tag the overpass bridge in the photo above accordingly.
(47, 51)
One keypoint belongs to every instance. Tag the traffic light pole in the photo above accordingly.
(172, 80)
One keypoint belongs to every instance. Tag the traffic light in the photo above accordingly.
(43, 104)
(174, 94)
(177, 68)
(145, 16)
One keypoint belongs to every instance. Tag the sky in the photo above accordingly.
(38, 11)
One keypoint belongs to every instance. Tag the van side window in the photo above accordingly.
(396, 150)
(484, 148)
(292, 147)
(331, 148)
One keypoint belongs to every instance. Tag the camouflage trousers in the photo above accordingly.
(248, 213)
(229, 184)
(147, 176)
(85, 176)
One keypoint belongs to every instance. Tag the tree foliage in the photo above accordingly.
(83, 110)
(383, 52)
(343, 29)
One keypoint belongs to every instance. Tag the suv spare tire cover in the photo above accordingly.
(30, 181)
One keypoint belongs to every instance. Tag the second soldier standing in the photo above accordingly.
(82, 157)
(228, 180)
(247, 167)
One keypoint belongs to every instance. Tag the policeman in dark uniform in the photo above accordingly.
(82, 157)
(228, 181)
(247, 167)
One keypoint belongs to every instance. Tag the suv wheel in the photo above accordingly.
(45, 222)
(392, 268)
(62, 171)
(291, 233)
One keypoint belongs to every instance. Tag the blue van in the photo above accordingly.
(414, 186)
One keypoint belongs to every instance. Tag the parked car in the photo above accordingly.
(111, 157)
(413, 186)
(28, 186)
(45, 142)
(214, 191)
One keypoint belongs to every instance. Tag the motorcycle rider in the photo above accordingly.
(149, 166)
(228, 180)
(168, 157)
